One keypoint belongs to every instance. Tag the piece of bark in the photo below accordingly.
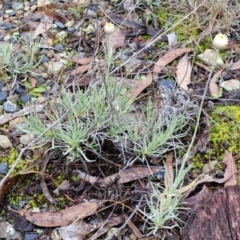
(216, 218)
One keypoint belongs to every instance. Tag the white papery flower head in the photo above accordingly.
(220, 41)
(109, 28)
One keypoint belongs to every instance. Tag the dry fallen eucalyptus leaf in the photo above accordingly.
(63, 217)
(168, 58)
(44, 26)
(183, 73)
(140, 85)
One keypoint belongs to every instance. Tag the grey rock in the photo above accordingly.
(3, 168)
(45, 59)
(10, 107)
(59, 47)
(40, 79)
(55, 68)
(12, 13)
(25, 98)
(89, 13)
(20, 90)
(30, 236)
(26, 139)
(94, 8)
(168, 85)
(5, 142)
(7, 231)
(71, 30)
(3, 96)
(9, 25)
(160, 174)
(17, 6)
(59, 24)
(54, 88)
(7, 6)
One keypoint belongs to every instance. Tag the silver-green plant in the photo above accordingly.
(155, 133)
(19, 58)
(105, 113)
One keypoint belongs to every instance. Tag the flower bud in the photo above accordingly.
(109, 28)
(220, 41)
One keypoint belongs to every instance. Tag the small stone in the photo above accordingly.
(59, 47)
(160, 174)
(50, 53)
(3, 96)
(17, 6)
(40, 79)
(30, 236)
(71, 30)
(12, 13)
(103, 4)
(10, 107)
(55, 68)
(26, 138)
(210, 57)
(169, 85)
(231, 85)
(227, 76)
(9, 25)
(5, 142)
(26, 8)
(41, 99)
(133, 237)
(8, 11)
(20, 90)
(45, 59)
(3, 168)
(54, 88)
(59, 24)
(89, 13)
(7, 231)
(25, 98)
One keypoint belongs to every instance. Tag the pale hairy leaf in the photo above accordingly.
(231, 170)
